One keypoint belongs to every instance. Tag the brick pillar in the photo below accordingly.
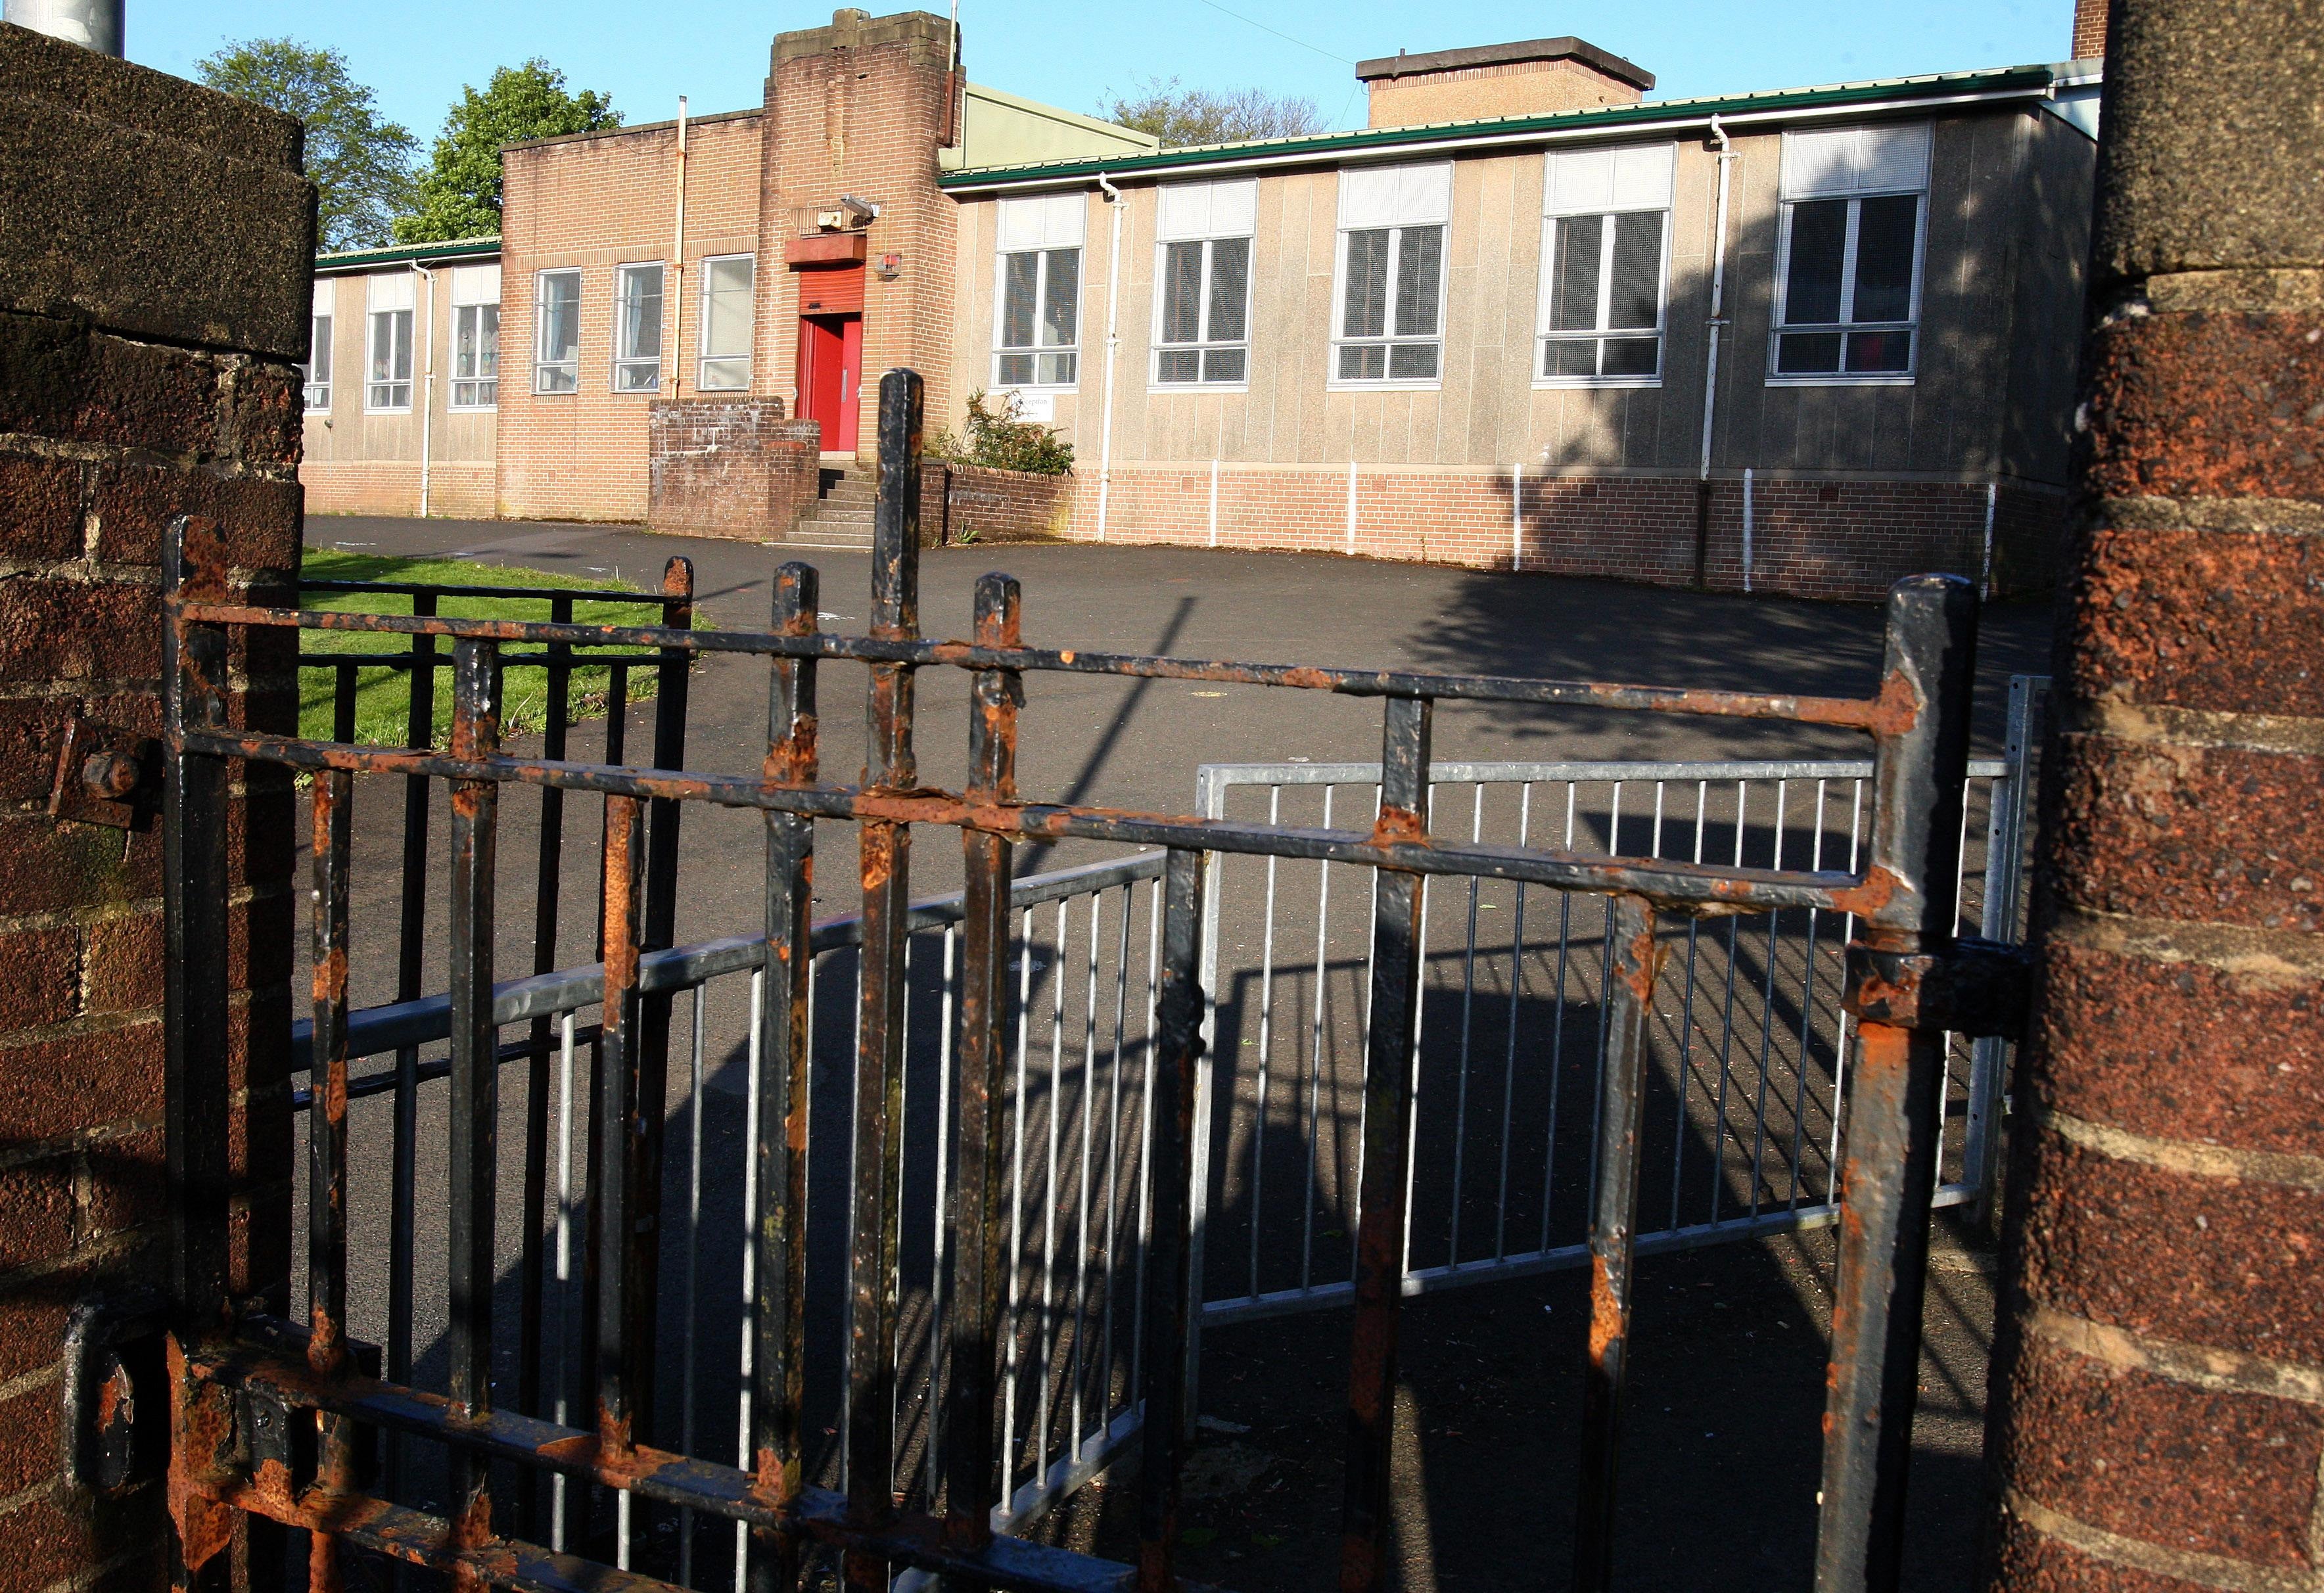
(2089, 36)
(2158, 1419)
(153, 269)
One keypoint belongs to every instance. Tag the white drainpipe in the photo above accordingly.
(427, 295)
(677, 268)
(1112, 342)
(1717, 296)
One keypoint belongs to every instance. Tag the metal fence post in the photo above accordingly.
(886, 859)
(778, 1274)
(1209, 802)
(1922, 757)
(971, 1457)
(1381, 1214)
(2005, 850)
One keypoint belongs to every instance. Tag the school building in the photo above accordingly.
(1801, 340)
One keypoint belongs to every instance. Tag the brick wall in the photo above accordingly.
(729, 467)
(1832, 540)
(1504, 88)
(153, 303)
(970, 503)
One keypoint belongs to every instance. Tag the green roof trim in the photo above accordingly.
(1324, 146)
(451, 249)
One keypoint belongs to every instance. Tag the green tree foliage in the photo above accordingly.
(459, 194)
(361, 165)
(1179, 115)
(994, 437)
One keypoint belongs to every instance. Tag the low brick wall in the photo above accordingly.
(729, 467)
(1846, 539)
(973, 503)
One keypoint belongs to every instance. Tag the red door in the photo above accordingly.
(831, 375)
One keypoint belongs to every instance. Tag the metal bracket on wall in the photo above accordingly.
(105, 775)
(1976, 987)
(113, 1356)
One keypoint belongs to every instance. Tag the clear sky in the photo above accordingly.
(418, 53)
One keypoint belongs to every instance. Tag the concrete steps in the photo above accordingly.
(842, 517)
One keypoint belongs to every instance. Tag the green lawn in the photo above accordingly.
(382, 696)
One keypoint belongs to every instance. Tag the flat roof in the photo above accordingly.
(404, 254)
(1564, 48)
(1929, 89)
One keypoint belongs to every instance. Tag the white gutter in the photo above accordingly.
(427, 393)
(1535, 138)
(1725, 157)
(1112, 342)
(677, 268)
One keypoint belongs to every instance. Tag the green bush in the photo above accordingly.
(996, 438)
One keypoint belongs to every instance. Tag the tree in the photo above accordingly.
(361, 165)
(459, 194)
(1201, 116)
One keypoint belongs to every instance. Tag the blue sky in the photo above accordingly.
(418, 53)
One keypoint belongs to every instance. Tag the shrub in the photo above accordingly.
(994, 437)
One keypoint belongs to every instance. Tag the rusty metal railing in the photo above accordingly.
(268, 1416)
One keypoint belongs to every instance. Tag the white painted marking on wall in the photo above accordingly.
(1984, 581)
(1746, 527)
(1215, 502)
(1517, 516)
(1352, 505)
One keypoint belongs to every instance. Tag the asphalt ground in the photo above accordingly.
(1491, 1387)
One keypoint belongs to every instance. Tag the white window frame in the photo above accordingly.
(1208, 214)
(542, 365)
(704, 358)
(624, 364)
(376, 317)
(1040, 226)
(1395, 228)
(476, 288)
(321, 323)
(1556, 215)
(1794, 193)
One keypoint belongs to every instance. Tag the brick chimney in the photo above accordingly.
(1534, 78)
(2090, 29)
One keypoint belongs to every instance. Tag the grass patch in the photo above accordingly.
(383, 696)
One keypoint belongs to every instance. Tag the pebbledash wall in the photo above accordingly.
(1959, 461)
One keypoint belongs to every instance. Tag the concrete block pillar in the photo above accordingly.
(2158, 1419)
(155, 245)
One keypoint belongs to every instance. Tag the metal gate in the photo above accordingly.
(279, 1421)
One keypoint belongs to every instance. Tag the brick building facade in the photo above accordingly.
(1524, 318)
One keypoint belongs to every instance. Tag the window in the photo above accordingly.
(1849, 262)
(636, 328)
(1605, 237)
(388, 385)
(1202, 308)
(1392, 273)
(317, 368)
(725, 334)
(475, 336)
(557, 331)
(1037, 323)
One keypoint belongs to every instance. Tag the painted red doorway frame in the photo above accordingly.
(831, 376)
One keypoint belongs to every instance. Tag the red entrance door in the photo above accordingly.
(830, 375)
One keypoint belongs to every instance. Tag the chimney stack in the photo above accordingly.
(2090, 29)
(1535, 77)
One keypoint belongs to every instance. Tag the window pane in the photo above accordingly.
(1016, 370)
(725, 376)
(1020, 277)
(1178, 365)
(1061, 305)
(1223, 364)
(1363, 362)
(559, 379)
(1412, 362)
(727, 309)
(1811, 288)
(1638, 269)
(1230, 288)
(1879, 351)
(560, 319)
(1573, 274)
(318, 365)
(1053, 370)
(1365, 312)
(1807, 353)
(638, 334)
(1570, 357)
(1884, 259)
(1630, 356)
(488, 340)
(1182, 293)
(1420, 265)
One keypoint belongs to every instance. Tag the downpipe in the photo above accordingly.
(1716, 323)
(1112, 345)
